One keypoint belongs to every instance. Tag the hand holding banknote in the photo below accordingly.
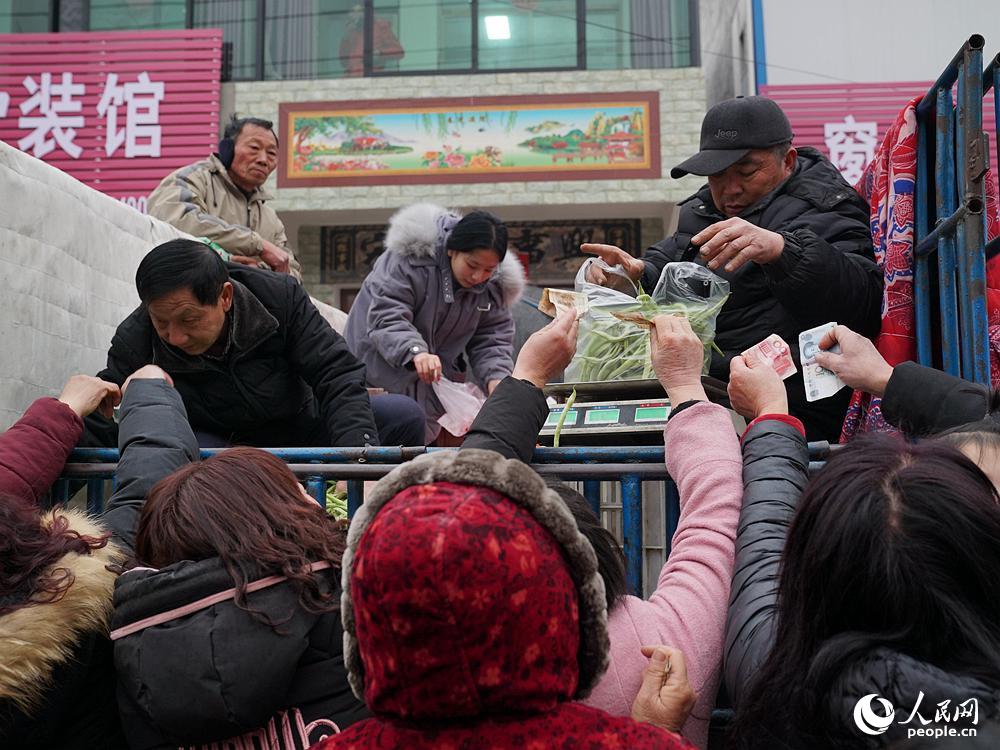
(755, 388)
(854, 359)
(820, 382)
(773, 351)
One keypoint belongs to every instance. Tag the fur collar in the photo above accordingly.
(415, 231)
(35, 639)
(518, 482)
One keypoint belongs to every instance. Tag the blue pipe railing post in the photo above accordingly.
(946, 205)
(976, 161)
(995, 69)
(632, 532)
(962, 254)
(60, 492)
(672, 512)
(592, 491)
(355, 496)
(95, 496)
(316, 487)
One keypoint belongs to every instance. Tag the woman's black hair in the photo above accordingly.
(181, 264)
(478, 230)
(893, 545)
(983, 436)
(610, 559)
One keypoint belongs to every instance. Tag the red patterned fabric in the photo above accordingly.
(888, 184)
(467, 624)
(571, 726)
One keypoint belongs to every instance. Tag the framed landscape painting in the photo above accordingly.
(476, 139)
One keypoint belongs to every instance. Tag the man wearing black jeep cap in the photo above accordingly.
(785, 229)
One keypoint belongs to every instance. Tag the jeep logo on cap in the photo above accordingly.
(726, 135)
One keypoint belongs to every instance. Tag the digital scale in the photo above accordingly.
(630, 412)
(609, 417)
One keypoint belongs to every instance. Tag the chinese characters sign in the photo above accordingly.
(116, 110)
(851, 145)
(480, 139)
(550, 250)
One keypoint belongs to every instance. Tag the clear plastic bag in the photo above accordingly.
(620, 291)
(461, 402)
(613, 343)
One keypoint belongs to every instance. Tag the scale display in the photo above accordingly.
(650, 414)
(602, 416)
(554, 417)
(610, 417)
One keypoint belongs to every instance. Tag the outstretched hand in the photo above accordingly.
(755, 388)
(677, 355)
(613, 256)
(148, 372)
(665, 696)
(549, 350)
(85, 394)
(858, 363)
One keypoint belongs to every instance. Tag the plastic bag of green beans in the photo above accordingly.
(613, 343)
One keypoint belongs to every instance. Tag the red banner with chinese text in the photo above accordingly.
(847, 121)
(117, 110)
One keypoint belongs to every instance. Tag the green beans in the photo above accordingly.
(612, 349)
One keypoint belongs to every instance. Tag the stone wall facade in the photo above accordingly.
(305, 210)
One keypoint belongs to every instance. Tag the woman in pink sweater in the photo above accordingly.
(688, 609)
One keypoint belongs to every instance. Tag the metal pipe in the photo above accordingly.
(949, 226)
(961, 244)
(950, 74)
(95, 496)
(60, 492)
(355, 496)
(641, 454)
(632, 532)
(672, 511)
(316, 487)
(975, 156)
(951, 360)
(592, 491)
(990, 76)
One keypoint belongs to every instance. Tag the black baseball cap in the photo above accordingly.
(731, 129)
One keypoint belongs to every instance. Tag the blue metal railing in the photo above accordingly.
(629, 466)
(950, 216)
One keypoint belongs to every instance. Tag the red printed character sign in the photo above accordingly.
(117, 110)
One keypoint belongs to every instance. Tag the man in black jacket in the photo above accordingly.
(787, 232)
(251, 357)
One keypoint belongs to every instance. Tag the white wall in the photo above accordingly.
(68, 256)
(830, 41)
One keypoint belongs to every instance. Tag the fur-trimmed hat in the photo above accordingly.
(445, 543)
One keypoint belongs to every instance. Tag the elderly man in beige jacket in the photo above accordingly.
(222, 198)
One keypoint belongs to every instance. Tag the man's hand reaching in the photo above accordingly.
(613, 256)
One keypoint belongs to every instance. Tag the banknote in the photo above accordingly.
(820, 383)
(555, 301)
(774, 351)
